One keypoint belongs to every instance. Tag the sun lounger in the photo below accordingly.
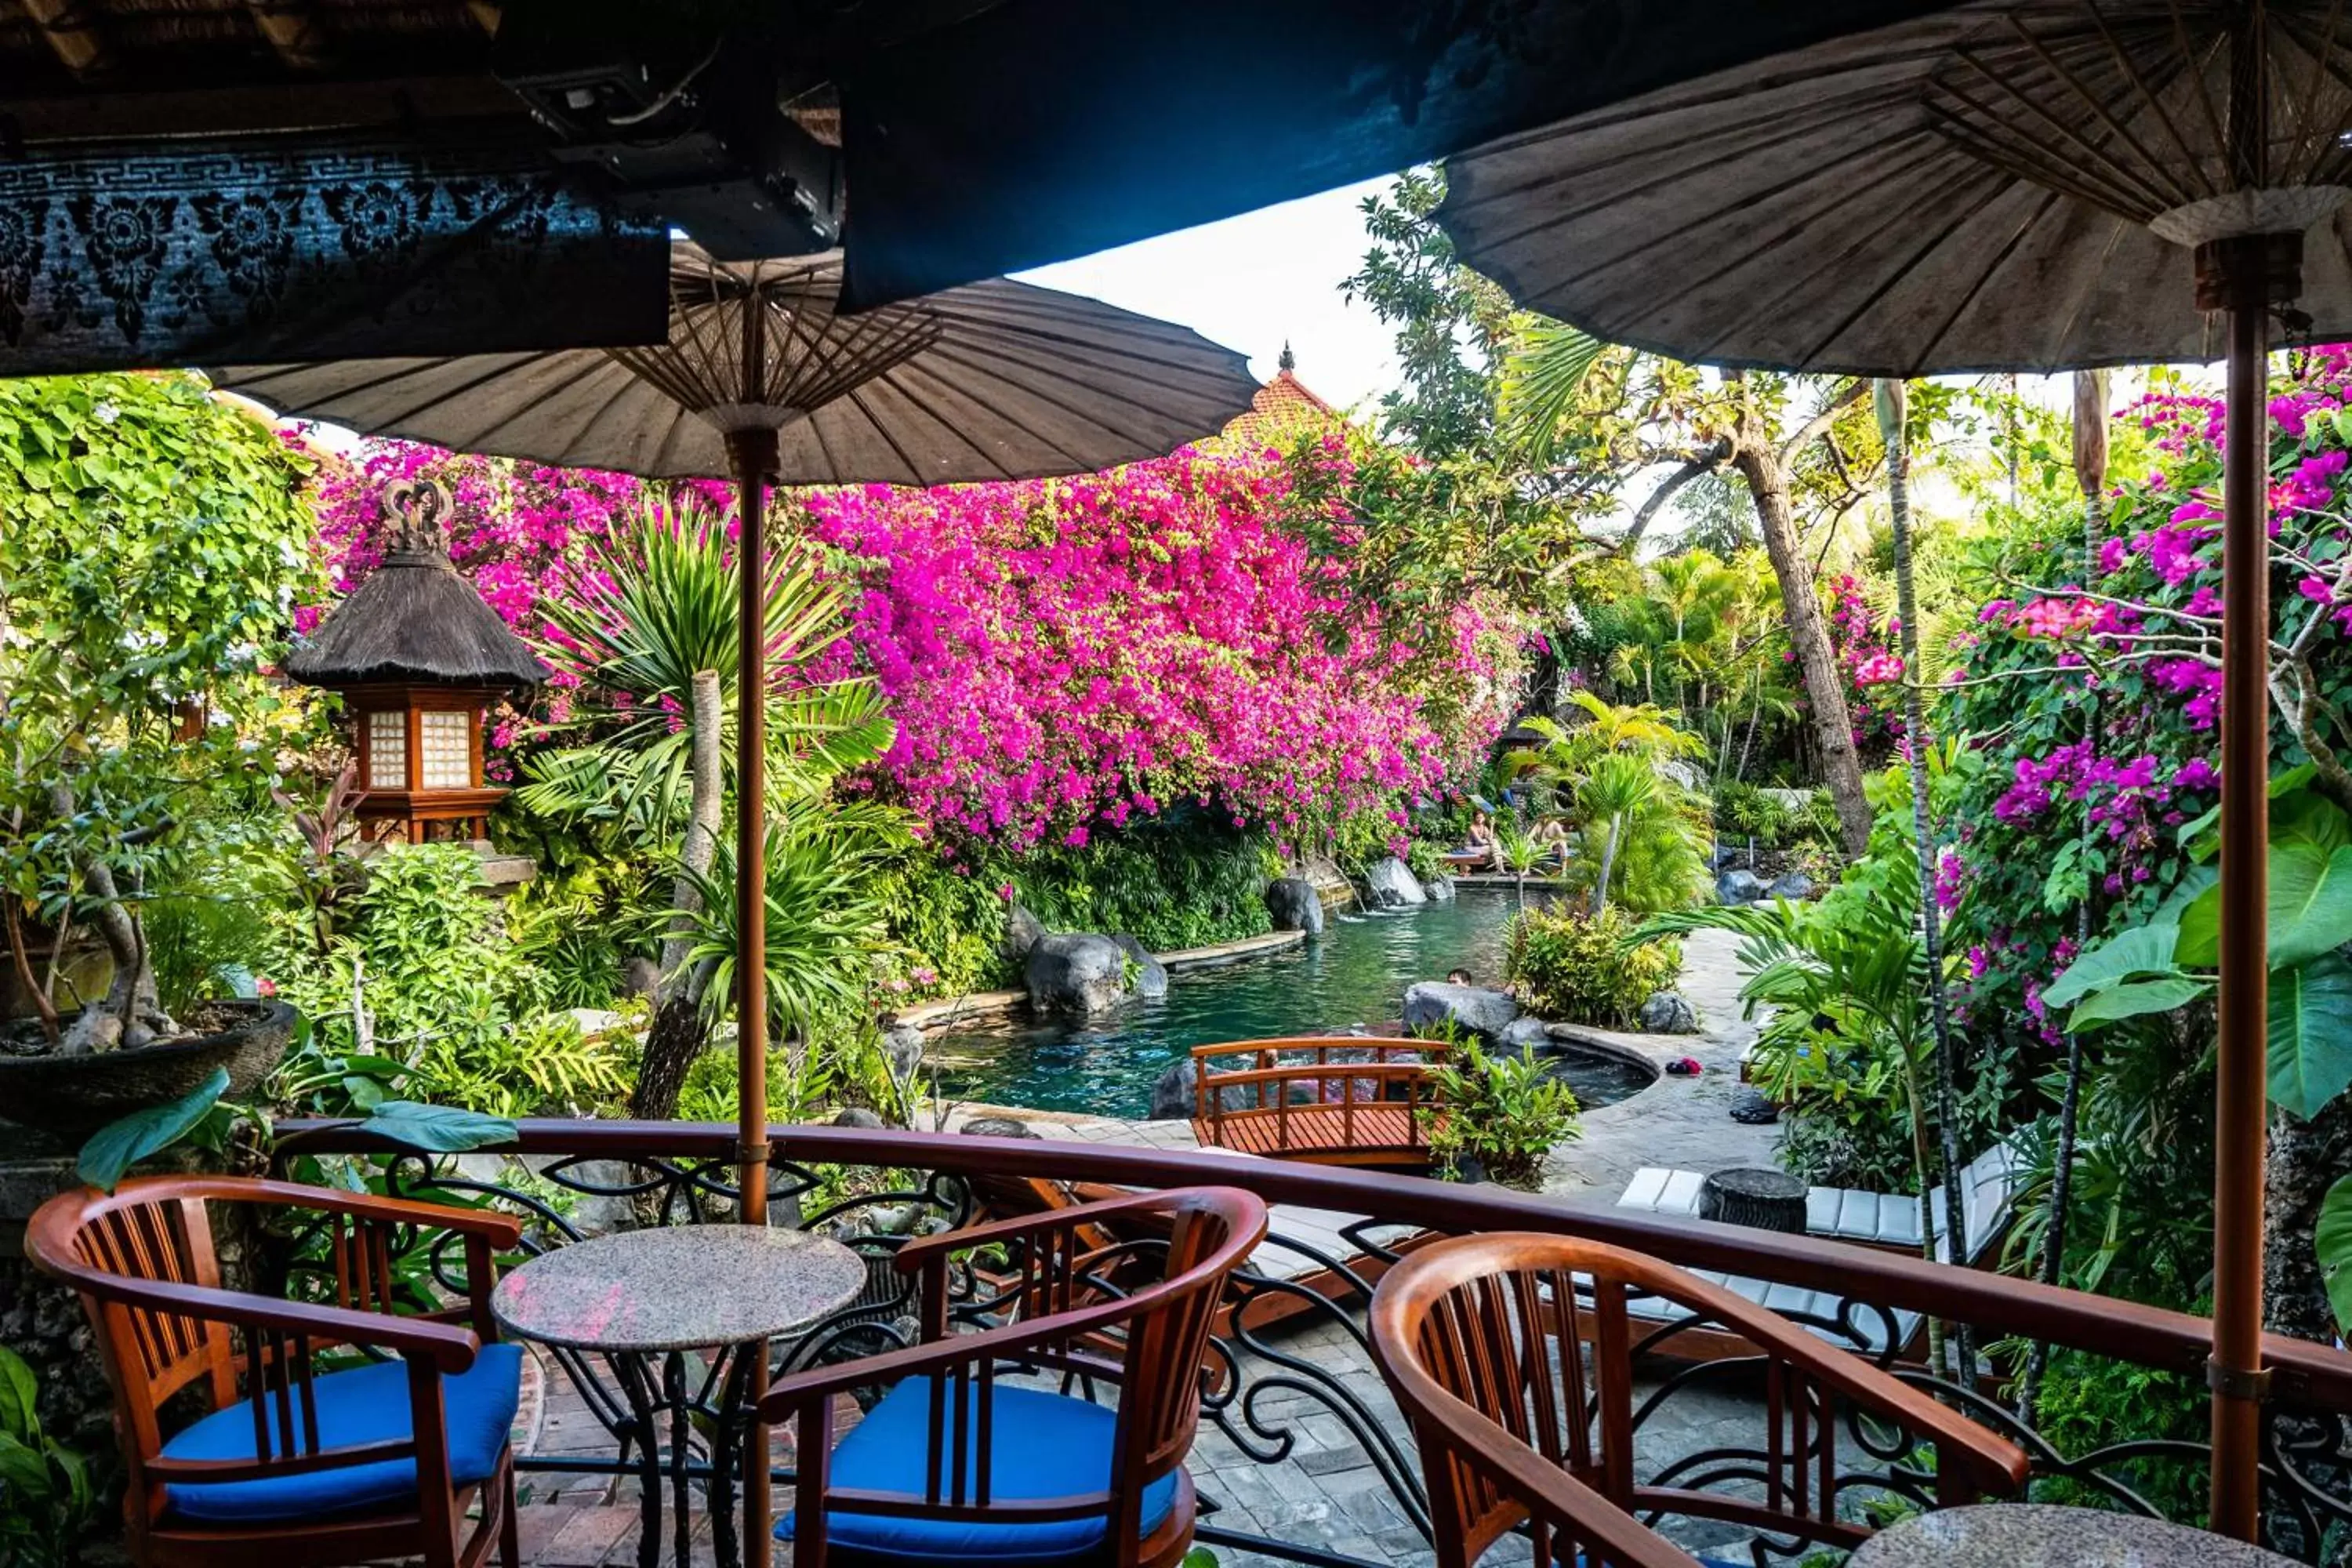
(1837, 1214)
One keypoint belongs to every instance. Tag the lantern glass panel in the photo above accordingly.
(447, 742)
(387, 749)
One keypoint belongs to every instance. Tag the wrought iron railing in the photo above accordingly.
(1291, 1350)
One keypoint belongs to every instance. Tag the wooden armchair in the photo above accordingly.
(1481, 1340)
(288, 1465)
(952, 1465)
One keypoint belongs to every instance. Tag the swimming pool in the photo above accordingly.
(1355, 974)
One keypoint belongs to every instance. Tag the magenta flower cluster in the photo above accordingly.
(1060, 655)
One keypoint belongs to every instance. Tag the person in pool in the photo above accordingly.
(1458, 977)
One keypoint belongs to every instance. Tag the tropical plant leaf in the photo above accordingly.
(20, 1394)
(441, 1128)
(2311, 900)
(2310, 1035)
(1542, 379)
(2134, 998)
(114, 1148)
(2141, 953)
(2331, 1240)
(2200, 945)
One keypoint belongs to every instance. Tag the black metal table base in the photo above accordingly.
(660, 1392)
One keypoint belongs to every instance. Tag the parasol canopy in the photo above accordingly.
(2007, 186)
(2010, 185)
(994, 380)
(760, 380)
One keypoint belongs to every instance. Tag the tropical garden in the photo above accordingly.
(1936, 665)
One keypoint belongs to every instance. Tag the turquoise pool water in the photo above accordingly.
(1356, 975)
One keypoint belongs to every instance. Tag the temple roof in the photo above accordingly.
(1280, 402)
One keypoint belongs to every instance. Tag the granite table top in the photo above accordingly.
(2041, 1535)
(675, 1288)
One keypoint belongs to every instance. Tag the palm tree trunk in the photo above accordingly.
(1608, 861)
(1892, 401)
(1760, 464)
(679, 1032)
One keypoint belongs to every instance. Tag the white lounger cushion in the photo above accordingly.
(1853, 1214)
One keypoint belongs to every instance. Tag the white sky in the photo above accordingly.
(1254, 281)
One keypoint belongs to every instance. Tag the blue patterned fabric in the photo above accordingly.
(1046, 1446)
(367, 1405)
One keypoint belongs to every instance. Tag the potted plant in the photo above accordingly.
(156, 539)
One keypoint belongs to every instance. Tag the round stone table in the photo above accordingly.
(2039, 1535)
(643, 1300)
(1767, 1199)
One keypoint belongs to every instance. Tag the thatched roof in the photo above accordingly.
(415, 619)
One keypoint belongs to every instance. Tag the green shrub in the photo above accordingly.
(1506, 1112)
(1575, 968)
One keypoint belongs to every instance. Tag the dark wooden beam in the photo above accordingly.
(297, 31)
(71, 27)
(119, 114)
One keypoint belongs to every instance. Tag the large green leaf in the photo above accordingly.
(119, 1145)
(2310, 1035)
(2311, 900)
(2331, 1240)
(2201, 929)
(440, 1129)
(2134, 998)
(20, 1394)
(2141, 951)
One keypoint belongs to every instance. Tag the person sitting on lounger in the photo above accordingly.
(1551, 838)
(1482, 843)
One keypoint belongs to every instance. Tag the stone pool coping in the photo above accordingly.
(933, 1015)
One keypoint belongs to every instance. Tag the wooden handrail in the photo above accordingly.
(2315, 1376)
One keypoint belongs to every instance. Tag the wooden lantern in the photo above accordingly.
(419, 659)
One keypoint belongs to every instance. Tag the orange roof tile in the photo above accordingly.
(1280, 402)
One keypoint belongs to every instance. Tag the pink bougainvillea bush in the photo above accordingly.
(2092, 688)
(1063, 656)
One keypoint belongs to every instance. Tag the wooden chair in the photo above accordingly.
(1481, 1340)
(952, 1466)
(287, 1464)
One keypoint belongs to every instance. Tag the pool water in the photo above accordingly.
(1356, 975)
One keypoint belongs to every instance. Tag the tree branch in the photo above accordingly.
(1705, 461)
(1814, 429)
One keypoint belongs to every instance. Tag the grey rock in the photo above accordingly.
(1666, 1012)
(1150, 977)
(1294, 905)
(859, 1116)
(1525, 1031)
(903, 1045)
(1469, 1007)
(1750, 1106)
(1792, 885)
(998, 1127)
(1075, 974)
(1392, 884)
(1739, 886)
(1172, 1093)
(1023, 931)
(1439, 889)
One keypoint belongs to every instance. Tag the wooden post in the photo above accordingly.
(752, 450)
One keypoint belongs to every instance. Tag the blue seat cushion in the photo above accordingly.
(1044, 1446)
(366, 1405)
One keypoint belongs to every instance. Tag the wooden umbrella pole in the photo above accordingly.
(753, 451)
(2241, 1090)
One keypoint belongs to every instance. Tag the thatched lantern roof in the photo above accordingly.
(415, 620)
